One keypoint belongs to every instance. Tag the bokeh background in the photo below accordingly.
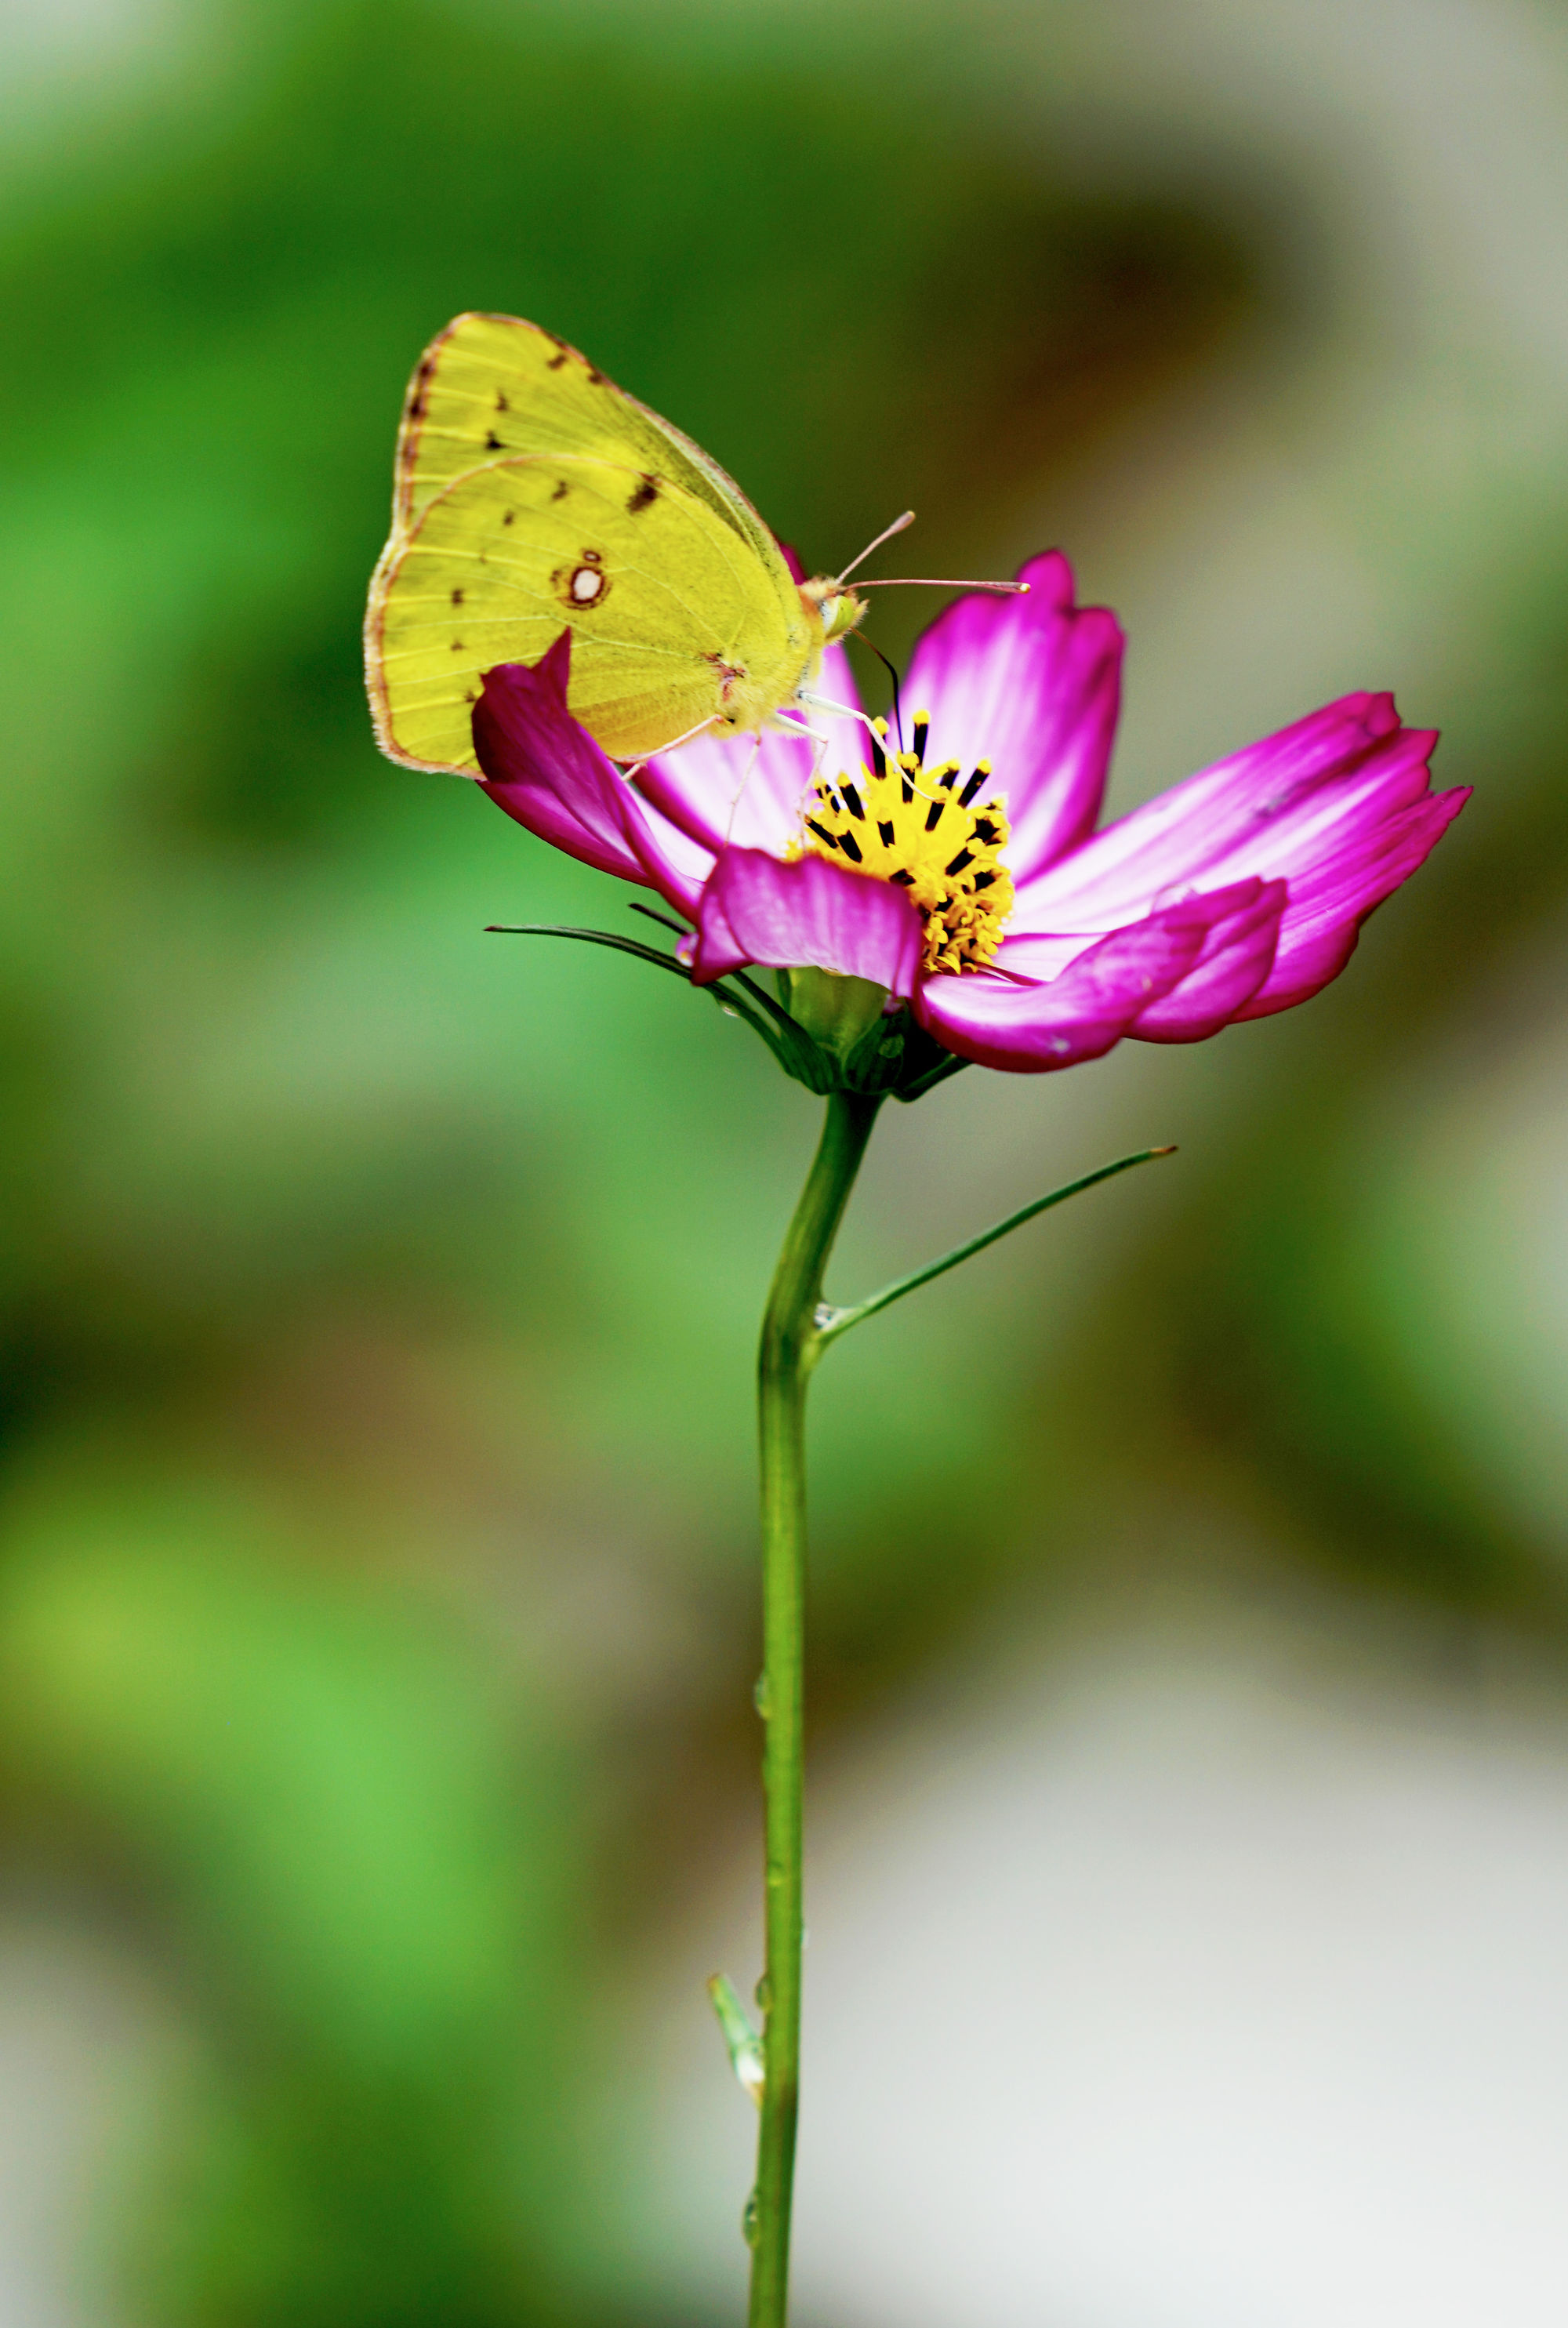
(1189, 1910)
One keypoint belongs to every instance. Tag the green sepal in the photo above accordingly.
(897, 1057)
(836, 1010)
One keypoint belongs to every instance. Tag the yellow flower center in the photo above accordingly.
(940, 838)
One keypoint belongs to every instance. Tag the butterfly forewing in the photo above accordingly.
(674, 620)
(494, 386)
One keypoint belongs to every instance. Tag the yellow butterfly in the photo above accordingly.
(533, 494)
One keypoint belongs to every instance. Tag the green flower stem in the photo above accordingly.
(789, 1349)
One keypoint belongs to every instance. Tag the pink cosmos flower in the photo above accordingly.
(964, 875)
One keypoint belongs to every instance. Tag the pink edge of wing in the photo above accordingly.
(1110, 986)
(807, 913)
(545, 771)
(1033, 685)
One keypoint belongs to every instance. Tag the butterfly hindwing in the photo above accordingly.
(675, 619)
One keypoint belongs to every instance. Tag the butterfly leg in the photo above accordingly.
(878, 735)
(740, 793)
(824, 743)
(674, 746)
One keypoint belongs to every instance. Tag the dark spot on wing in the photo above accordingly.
(501, 403)
(509, 517)
(492, 442)
(646, 493)
(561, 491)
(597, 378)
(456, 597)
(456, 646)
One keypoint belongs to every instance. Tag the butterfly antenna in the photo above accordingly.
(944, 582)
(862, 640)
(887, 534)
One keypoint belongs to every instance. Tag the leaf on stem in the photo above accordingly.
(744, 2043)
(831, 1322)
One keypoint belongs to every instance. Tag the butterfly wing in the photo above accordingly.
(675, 620)
(489, 387)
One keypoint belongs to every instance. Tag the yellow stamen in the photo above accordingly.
(908, 824)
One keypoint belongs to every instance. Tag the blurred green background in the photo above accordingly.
(377, 1608)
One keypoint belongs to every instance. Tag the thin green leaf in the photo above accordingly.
(759, 994)
(589, 937)
(724, 996)
(935, 1075)
(832, 1323)
(682, 929)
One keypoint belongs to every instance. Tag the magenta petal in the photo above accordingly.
(544, 769)
(1031, 684)
(757, 908)
(1337, 806)
(1327, 904)
(548, 774)
(1097, 999)
(1264, 811)
(1234, 958)
(675, 865)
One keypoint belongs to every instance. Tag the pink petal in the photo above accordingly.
(1337, 805)
(1237, 956)
(749, 792)
(676, 865)
(547, 772)
(1261, 810)
(757, 908)
(1327, 904)
(1033, 686)
(1098, 998)
(544, 769)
